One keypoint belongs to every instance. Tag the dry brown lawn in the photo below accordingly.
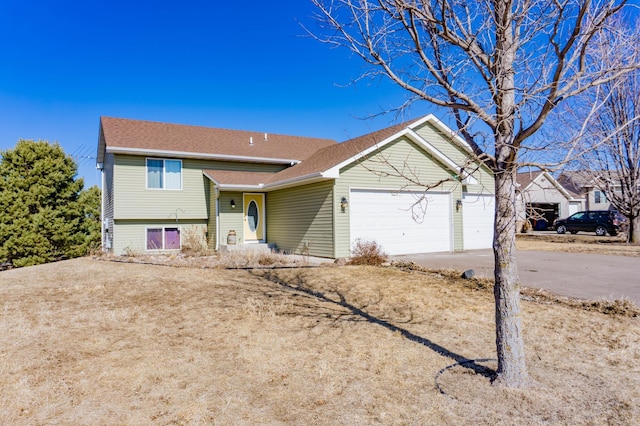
(91, 342)
(580, 243)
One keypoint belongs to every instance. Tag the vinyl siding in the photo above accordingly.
(134, 201)
(301, 218)
(212, 235)
(591, 200)
(130, 235)
(460, 156)
(543, 191)
(107, 190)
(107, 200)
(231, 219)
(412, 162)
(443, 143)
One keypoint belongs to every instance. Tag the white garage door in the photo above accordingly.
(574, 207)
(477, 221)
(402, 223)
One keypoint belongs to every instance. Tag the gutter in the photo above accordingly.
(201, 155)
(310, 178)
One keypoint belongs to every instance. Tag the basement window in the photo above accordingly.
(165, 238)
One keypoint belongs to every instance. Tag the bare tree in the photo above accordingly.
(500, 68)
(609, 141)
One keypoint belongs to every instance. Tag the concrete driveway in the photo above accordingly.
(581, 275)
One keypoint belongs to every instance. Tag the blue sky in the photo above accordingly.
(241, 65)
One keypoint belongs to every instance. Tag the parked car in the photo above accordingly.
(599, 221)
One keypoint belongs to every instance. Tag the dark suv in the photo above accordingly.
(598, 221)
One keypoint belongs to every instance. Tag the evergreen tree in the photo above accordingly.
(91, 202)
(44, 213)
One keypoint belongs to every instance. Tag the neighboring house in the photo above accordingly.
(589, 187)
(301, 195)
(541, 199)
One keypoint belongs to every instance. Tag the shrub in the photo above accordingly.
(367, 252)
(526, 227)
(129, 251)
(250, 258)
(194, 241)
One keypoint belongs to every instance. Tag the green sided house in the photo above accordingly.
(162, 183)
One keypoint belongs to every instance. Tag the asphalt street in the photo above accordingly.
(580, 275)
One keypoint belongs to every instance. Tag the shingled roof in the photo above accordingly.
(239, 178)
(126, 135)
(310, 159)
(333, 155)
(524, 179)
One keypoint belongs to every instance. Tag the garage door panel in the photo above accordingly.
(477, 221)
(402, 223)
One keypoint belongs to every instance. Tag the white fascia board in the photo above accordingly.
(200, 155)
(297, 181)
(466, 178)
(433, 151)
(443, 128)
(233, 187)
(411, 134)
(554, 182)
(211, 179)
(301, 180)
(431, 118)
(335, 170)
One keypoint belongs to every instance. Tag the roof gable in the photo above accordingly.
(374, 141)
(526, 180)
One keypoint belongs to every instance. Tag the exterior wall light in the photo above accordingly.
(344, 203)
(233, 204)
(458, 205)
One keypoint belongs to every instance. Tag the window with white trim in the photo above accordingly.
(163, 238)
(164, 174)
(599, 197)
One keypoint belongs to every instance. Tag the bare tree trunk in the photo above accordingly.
(634, 231)
(512, 369)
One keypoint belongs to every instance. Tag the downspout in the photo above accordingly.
(334, 206)
(102, 219)
(217, 189)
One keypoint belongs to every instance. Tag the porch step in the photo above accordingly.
(252, 248)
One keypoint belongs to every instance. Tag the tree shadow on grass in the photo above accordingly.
(297, 284)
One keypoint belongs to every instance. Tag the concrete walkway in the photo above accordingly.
(580, 275)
